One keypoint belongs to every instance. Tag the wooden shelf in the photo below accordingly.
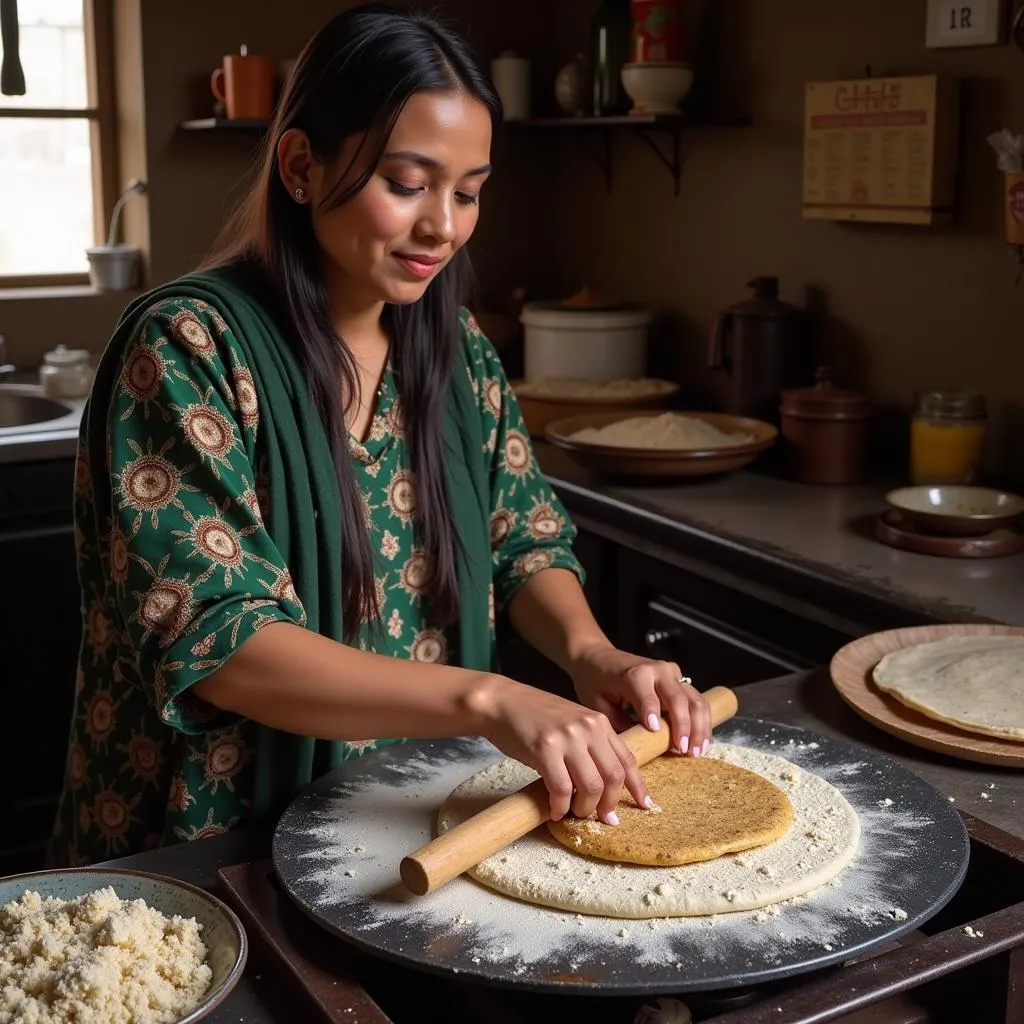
(205, 124)
(680, 120)
(661, 133)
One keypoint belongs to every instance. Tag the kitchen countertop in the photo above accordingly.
(814, 531)
(811, 532)
(803, 699)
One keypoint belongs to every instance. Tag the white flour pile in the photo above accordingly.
(669, 431)
(97, 959)
(345, 863)
(821, 841)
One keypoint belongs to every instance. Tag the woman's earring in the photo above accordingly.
(300, 194)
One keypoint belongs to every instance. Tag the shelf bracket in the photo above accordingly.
(672, 159)
(601, 155)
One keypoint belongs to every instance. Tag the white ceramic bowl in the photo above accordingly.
(656, 88)
(955, 510)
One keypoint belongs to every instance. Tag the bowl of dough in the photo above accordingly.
(662, 443)
(118, 946)
(545, 400)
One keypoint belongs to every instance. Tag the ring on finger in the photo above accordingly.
(685, 681)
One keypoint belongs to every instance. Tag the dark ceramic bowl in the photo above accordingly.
(222, 932)
(955, 510)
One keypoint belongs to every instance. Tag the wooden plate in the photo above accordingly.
(851, 669)
(661, 462)
(893, 529)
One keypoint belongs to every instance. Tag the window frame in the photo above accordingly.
(101, 113)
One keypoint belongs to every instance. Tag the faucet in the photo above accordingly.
(6, 369)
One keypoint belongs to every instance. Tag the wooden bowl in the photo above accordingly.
(541, 410)
(955, 511)
(662, 462)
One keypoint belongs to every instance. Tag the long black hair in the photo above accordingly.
(354, 77)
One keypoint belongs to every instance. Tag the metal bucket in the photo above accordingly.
(113, 268)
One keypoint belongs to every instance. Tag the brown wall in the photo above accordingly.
(896, 308)
(903, 308)
(166, 53)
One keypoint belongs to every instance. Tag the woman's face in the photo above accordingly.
(420, 205)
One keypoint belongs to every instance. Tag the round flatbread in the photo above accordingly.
(537, 869)
(705, 808)
(973, 682)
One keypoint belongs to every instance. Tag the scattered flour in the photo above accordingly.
(817, 846)
(973, 933)
(514, 938)
(98, 959)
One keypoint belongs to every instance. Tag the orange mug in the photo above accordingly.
(245, 85)
(1014, 206)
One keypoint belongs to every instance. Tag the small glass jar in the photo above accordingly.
(66, 373)
(947, 437)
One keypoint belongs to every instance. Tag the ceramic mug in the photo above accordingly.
(245, 85)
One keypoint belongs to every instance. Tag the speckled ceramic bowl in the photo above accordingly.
(956, 510)
(222, 932)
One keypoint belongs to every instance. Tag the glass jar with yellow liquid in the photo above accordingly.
(947, 437)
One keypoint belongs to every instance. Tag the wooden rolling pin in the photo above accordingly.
(511, 818)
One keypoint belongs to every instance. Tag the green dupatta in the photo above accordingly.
(305, 516)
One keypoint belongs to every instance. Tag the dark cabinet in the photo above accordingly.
(516, 658)
(40, 629)
(717, 634)
(708, 651)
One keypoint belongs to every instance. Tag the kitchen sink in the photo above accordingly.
(18, 409)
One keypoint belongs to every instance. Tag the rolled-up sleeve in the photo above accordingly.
(193, 567)
(530, 529)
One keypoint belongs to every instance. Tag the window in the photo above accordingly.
(56, 157)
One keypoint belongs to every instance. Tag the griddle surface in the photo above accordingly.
(338, 846)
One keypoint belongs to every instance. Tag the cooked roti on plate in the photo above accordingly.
(973, 682)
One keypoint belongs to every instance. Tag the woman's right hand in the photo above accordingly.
(581, 759)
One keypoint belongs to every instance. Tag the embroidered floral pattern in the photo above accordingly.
(185, 571)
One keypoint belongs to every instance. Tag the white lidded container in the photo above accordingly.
(587, 343)
(66, 373)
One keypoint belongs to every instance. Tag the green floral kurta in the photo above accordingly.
(187, 571)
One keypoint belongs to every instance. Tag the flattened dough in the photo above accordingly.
(537, 869)
(707, 808)
(973, 682)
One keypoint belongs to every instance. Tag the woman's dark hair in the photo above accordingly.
(354, 77)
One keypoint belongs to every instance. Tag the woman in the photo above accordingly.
(304, 487)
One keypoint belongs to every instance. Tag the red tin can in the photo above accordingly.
(657, 30)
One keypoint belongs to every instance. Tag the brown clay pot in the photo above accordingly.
(825, 432)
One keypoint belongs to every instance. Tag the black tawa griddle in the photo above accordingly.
(364, 816)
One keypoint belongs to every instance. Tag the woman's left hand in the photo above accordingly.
(608, 680)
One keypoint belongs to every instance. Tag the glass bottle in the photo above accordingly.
(947, 437)
(610, 34)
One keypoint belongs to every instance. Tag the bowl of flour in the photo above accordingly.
(114, 947)
(662, 443)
